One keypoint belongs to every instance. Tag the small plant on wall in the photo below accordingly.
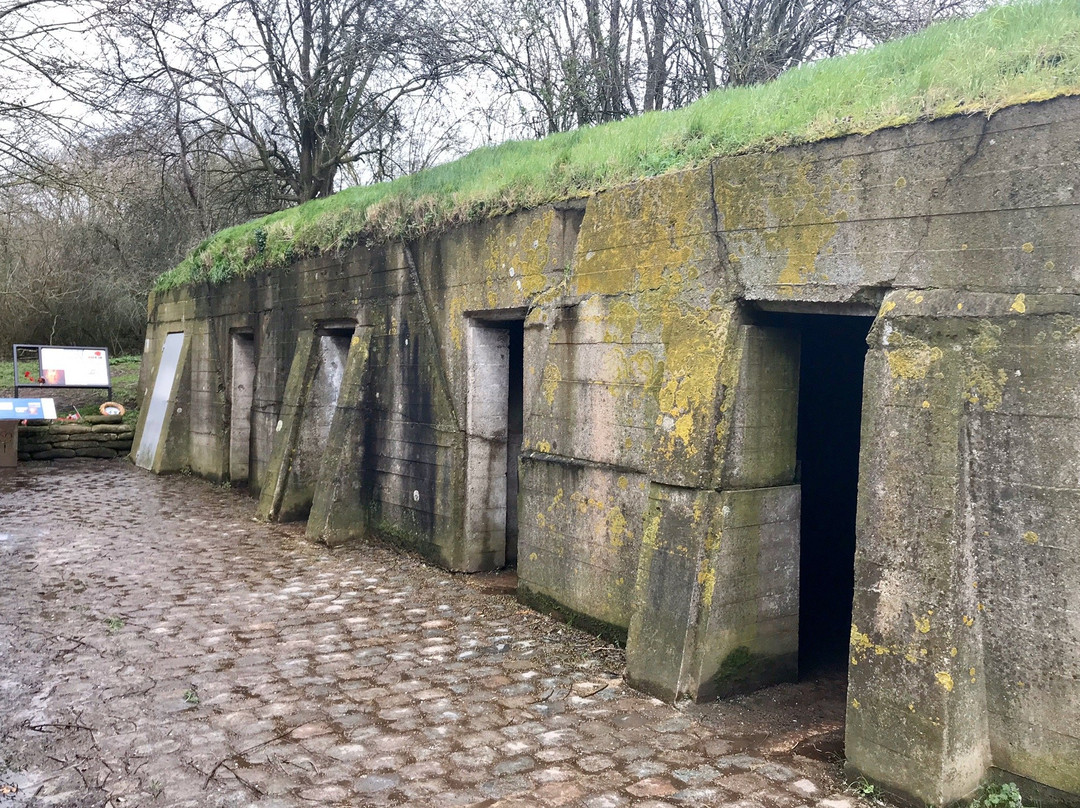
(999, 795)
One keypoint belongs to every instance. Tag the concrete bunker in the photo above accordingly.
(662, 327)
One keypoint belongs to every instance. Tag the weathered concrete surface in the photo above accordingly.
(355, 677)
(655, 398)
(965, 631)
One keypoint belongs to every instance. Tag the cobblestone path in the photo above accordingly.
(158, 647)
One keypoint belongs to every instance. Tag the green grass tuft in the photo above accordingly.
(1005, 56)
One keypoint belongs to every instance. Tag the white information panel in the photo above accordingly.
(76, 367)
(158, 407)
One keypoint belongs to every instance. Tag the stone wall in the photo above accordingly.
(659, 497)
(102, 436)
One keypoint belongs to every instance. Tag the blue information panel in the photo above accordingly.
(27, 409)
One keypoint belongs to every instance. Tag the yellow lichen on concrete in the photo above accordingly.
(456, 315)
(549, 382)
(861, 643)
(620, 321)
(617, 529)
(986, 387)
(791, 216)
(706, 579)
(910, 358)
(1019, 304)
(713, 538)
(694, 345)
(945, 680)
(644, 237)
(987, 339)
(1031, 537)
(650, 529)
(516, 259)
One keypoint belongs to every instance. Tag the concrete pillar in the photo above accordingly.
(337, 511)
(287, 428)
(916, 715)
(735, 551)
(162, 438)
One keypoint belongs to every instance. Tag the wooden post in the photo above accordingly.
(9, 444)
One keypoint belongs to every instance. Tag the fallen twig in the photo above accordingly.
(51, 726)
(248, 750)
(252, 786)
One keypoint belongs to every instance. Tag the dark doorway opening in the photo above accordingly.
(833, 349)
(515, 425)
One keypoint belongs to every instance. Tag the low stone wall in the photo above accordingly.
(104, 436)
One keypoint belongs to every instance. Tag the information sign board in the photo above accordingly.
(23, 409)
(75, 367)
(61, 366)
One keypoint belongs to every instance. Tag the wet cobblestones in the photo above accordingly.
(158, 647)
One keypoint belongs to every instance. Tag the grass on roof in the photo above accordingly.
(1007, 55)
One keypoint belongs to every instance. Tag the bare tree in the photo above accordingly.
(763, 38)
(294, 90)
(41, 80)
(881, 20)
(78, 255)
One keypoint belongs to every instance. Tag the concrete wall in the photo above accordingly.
(659, 493)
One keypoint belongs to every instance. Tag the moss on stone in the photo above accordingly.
(544, 603)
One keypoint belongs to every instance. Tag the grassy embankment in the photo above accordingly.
(124, 373)
(1005, 56)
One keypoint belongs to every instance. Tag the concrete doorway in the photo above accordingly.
(241, 398)
(495, 426)
(832, 353)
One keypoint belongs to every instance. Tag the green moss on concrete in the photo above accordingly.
(404, 539)
(1005, 56)
(743, 670)
(548, 605)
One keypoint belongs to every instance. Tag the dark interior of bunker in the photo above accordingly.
(833, 349)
